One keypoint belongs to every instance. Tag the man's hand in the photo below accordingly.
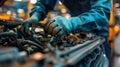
(58, 26)
(26, 24)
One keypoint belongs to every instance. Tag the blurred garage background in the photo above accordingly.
(18, 10)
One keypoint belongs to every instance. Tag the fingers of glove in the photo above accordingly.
(57, 31)
(52, 27)
(22, 29)
(25, 27)
(61, 32)
(48, 24)
(26, 30)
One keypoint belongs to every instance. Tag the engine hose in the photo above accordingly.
(29, 42)
(2, 34)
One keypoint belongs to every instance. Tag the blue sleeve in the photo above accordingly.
(42, 7)
(97, 17)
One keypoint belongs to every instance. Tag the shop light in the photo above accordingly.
(60, 2)
(33, 1)
(117, 5)
(18, 0)
(9, 12)
(20, 10)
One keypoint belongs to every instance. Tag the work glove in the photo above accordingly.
(60, 25)
(33, 19)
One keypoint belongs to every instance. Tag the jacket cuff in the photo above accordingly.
(39, 11)
(36, 15)
(76, 24)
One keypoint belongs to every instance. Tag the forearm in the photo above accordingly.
(42, 7)
(97, 17)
